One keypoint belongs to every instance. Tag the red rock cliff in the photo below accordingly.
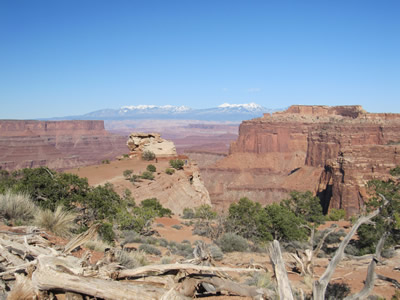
(57, 144)
(332, 151)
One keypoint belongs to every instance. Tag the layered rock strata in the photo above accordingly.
(56, 144)
(332, 151)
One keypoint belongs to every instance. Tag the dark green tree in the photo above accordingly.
(249, 220)
(284, 225)
(305, 205)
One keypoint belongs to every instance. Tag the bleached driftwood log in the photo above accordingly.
(55, 273)
(285, 291)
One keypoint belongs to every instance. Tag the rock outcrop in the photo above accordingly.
(56, 144)
(139, 142)
(332, 151)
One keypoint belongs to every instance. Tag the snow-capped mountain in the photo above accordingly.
(152, 108)
(223, 112)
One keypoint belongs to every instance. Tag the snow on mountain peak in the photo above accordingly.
(127, 108)
(249, 106)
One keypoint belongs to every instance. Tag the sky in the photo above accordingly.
(71, 57)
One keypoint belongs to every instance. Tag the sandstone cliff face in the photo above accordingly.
(332, 151)
(56, 144)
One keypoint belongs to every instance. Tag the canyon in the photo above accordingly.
(56, 144)
(331, 151)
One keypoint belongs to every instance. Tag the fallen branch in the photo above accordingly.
(159, 269)
(55, 274)
(388, 279)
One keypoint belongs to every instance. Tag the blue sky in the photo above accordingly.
(69, 57)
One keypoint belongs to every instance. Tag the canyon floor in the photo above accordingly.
(351, 272)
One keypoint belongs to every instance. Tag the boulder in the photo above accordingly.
(140, 142)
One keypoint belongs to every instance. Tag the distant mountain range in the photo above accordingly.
(224, 112)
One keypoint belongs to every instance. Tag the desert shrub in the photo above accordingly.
(151, 240)
(188, 213)
(352, 250)
(60, 222)
(107, 233)
(132, 237)
(127, 174)
(96, 245)
(177, 164)
(151, 168)
(396, 295)
(17, 207)
(155, 205)
(149, 249)
(125, 155)
(204, 212)
(336, 214)
(163, 242)
(148, 155)
(395, 171)
(186, 242)
(335, 237)
(337, 291)
(134, 178)
(181, 249)
(216, 252)
(160, 225)
(105, 161)
(177, 227)
(169, 171)
(131, 260)
(388, 253)
(166, 260)
(261, 280)
(147, 175)
(230, 242)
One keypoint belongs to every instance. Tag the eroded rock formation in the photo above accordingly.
(332, 151)
(56, 144)
(139, 142)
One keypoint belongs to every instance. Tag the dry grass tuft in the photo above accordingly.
(60, 222)
(17, 207)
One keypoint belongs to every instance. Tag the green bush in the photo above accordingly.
(134, 178)
(188, 213)
(105, 161)
(147, 175)
(337, 291)
(127, 174)
(177, 227)
(204, 212)
(169, 171)
(149, 249)
(336, 214)
(107, 233)
(131, 260)
(148, 155)
(151, 168)
(156, 206)
(177, 164)
(230, 242)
